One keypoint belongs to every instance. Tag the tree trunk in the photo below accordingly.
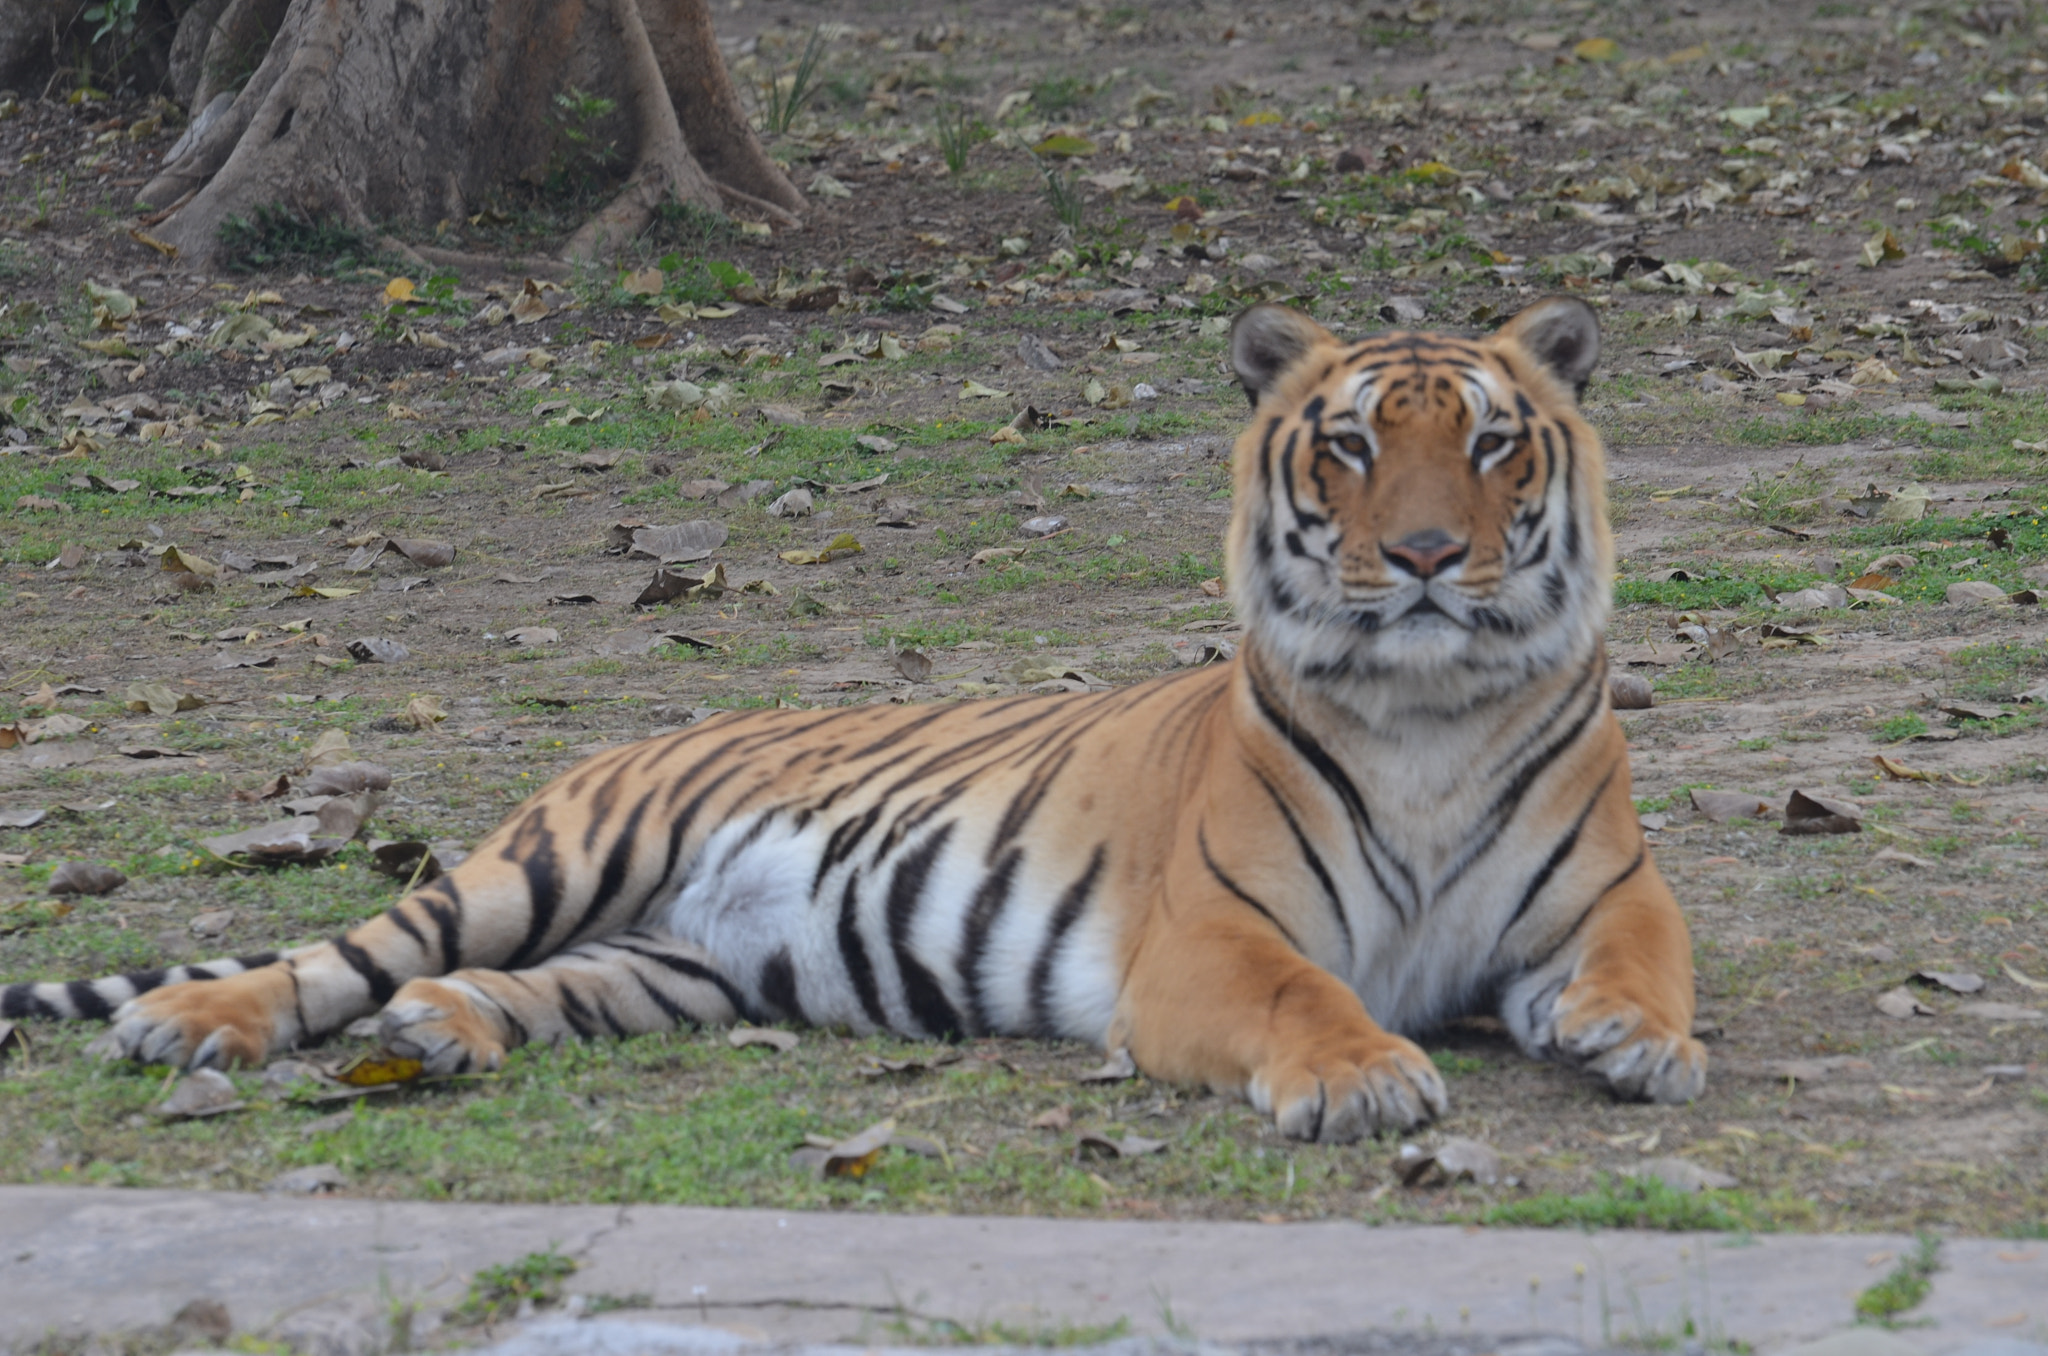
(379, 111)
(29, 31)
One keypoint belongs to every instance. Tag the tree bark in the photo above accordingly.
(28, 38)
(417, 111)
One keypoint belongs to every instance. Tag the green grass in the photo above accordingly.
(1904, 1287)
(1894, 728)
(1625, 1203)
(495, 1293)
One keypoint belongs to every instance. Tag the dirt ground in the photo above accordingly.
(1719, 179)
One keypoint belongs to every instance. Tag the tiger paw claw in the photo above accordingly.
(1340, 1096)
(439, 1026)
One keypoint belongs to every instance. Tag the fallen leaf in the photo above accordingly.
(796, 503)
(534, 635)
(21, 819)
(2001, 1012)
(345, 779)
(974, 390)
(378, 650)
(876, 1066)
(845, 544)
(212, 923)
(1059, 1118)
(2021, 978)
(680, 544)
(1899, 772)
(1902, 858)
(203, 1092)
(1956, 981)
(1454, 1159)
(855, 1156)
(1722, 806)
(425, 552)
(915, 665)
(1116, 1069)
(1094, 1144)
(86, 878)
(157, 699)
(1808, 812)
(423, 713)
(1900, 1002)
(782, 1042)
(377, 1070)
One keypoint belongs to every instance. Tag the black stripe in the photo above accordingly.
(447, 915)
(532, 850)
(1315, 866)
(1029, 797)
(1208, 860)
(922, 993)
(1338, 781)
(683, 965)
(853, 954)
(1550, 953)
(675, 1012)
(572, 1008)
(86, 1000)
(991, 898)
(381, 987)
(1063, 919)
(777, 986)
(1563, 849)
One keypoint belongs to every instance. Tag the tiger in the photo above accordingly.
(1405, 799)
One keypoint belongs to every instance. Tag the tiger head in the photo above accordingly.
(1421, 511)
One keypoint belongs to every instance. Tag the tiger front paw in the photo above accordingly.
(1343, 1089)
(215, 1024)
(1641, 1056)
(442, 1027)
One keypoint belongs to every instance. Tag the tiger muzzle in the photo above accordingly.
(1425, 554)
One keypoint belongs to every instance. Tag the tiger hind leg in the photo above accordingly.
(629, 984)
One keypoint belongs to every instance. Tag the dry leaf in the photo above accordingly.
(782, 1042)
(915, 665)
(1722, 806)
(855, 1156)
(845, 544)
(1118, 1067)
(1808, 812)
(1450, 1161)
(375, 1071)
(85, 878)
(1094, 1144)
(1956, 981)
(1900, 1002)
(203, 1092)
(1059, 1118)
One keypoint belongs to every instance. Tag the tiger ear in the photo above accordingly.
(1563, 334)
(1267, 340)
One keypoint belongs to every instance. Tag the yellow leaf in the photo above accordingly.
(398, 290)
(372, 1071)
(1064, 144)
(1597, 49)
(975, 390)
(647, 282)
(316, 591)
(1265, 117)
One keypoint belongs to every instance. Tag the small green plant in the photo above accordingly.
(1904, 1287)
(959, 132)
(1757, 745)
(1059, 93)
(1895, 728)
(1062, 195)
(496, 1292)
(112, 16)
(1455, 1064)
(274, 236)
(784, 96)
(582, 162)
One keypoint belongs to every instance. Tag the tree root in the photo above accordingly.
(373, 111)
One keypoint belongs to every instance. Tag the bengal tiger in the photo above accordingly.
(1405, 799)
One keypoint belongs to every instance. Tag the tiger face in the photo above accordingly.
(1420, 506)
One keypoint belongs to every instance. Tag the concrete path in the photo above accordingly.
(317, 1270)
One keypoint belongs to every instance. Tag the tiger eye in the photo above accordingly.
(1353, 444)
(1489, 443)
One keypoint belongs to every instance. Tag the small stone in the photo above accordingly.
(203, 1092)
(1975, 591)
(1900, 1002)
(1041, 527)
(310, 1181)
(212, 923)
(86, 878)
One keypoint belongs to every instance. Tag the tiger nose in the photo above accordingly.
(1423, 554)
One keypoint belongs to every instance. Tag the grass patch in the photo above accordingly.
(497, 1292)
(1904, 1287)
(273, 236)
(1630, 1203)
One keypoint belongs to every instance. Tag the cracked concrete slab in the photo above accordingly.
(74, 1259)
